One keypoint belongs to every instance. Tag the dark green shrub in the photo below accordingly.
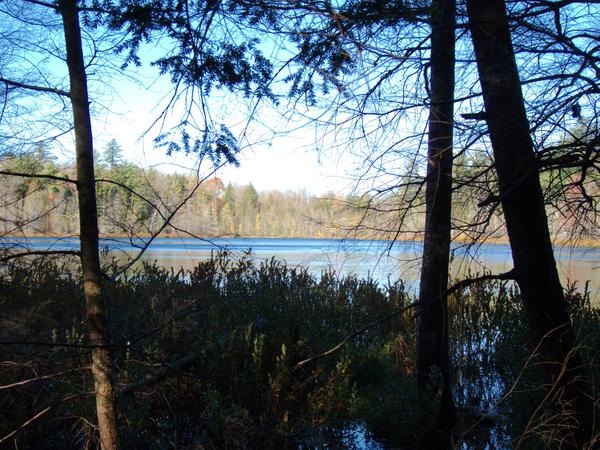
(230, 334)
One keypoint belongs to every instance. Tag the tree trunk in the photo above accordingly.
(88, 221)
(432, 343)
(526, 222)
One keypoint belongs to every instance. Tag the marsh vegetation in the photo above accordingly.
(227, 356)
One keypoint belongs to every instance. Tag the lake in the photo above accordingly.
(381, 260)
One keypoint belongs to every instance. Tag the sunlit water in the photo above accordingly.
(380, 260)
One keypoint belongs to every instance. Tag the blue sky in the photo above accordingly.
(276, 152)
(283, 163)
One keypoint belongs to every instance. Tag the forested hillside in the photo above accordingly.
(133, 200)
(137, 201)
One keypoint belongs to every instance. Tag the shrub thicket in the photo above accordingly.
(208, 359)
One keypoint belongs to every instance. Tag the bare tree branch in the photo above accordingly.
(166, 219)
(43, 377)
(33, 87)
(161, 374)
(39, 253)
(41, 413)
(10, 173)
(40, 3)
(460, 285)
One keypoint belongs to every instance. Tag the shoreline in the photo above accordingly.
(585, 243)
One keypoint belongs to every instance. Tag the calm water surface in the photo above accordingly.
(381, 260)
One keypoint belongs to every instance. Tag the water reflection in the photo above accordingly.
(381, 260)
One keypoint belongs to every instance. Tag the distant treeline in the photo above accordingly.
(137, 201)
(133, 200)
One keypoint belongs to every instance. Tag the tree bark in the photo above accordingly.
(526, 222)
(88, 222)
(432, 343)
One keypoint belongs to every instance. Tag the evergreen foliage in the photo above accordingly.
(131, 200)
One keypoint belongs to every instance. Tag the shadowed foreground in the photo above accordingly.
(208, 359)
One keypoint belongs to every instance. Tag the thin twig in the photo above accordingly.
(162, 373)
(43, 377)
(460, 285)
(40, 414)
(351, 336)
(45, 176)
(40, 253)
